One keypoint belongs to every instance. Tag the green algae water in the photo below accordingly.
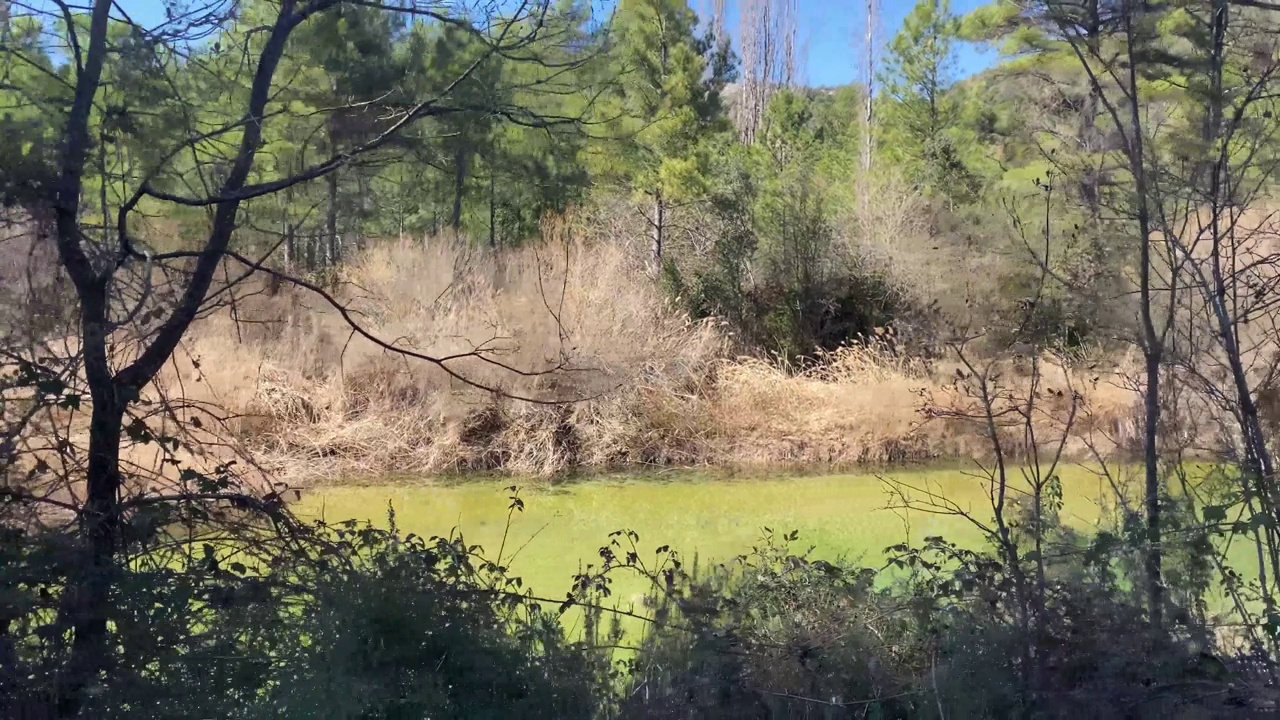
(711, 519)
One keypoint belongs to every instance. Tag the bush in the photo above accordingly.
(345, 622)
(1007, 647)
(776, 268)
(417, 630)
(356, 622)
(947, 632)
(781, 635)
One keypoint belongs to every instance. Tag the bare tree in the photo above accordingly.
(1027, 426)
(135, 305)
(767, 38)
(870, 21)
(1190, 204)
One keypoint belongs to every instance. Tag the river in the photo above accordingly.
(710, 518)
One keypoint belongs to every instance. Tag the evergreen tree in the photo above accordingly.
(664, 103)
(920, 112)
(31, 101)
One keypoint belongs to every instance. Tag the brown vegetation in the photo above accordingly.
(314, 401)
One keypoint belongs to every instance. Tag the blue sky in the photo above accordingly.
(831, 27)
(828, 32)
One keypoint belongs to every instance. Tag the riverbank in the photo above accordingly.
(633, 383)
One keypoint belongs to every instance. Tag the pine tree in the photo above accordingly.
(920, 112)
(666, 100)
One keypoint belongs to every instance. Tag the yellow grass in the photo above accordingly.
(652, 387)
(311, 401)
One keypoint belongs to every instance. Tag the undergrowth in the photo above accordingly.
(582, 323)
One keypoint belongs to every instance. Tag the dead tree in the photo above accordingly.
(767, 37)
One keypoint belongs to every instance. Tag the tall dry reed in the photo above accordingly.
(648, 386)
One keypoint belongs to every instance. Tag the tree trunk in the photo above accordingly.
(1258, 463)
(331, 221)
(1091, 185)
(85, 606)
(290, 247)
(1153, 356)
(493, 215)
(658, 232)
(868, 134)
(89, 597)
(459, 189)
(1154, 562)
(1217, 49)
(312, 241)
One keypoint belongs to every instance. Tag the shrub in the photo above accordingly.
(340, 622)
(425, 629)
(948, 632)
(776, 267)
(350, 621)
(777, 634)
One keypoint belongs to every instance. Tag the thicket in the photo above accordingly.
(238, 174)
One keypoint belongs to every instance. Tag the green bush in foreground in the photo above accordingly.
(949, 633)
(348, 622)
(351, 621)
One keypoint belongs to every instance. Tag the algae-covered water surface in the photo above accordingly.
(563, 526)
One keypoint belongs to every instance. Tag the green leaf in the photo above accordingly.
(1215, 513)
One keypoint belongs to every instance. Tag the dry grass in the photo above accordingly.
(306, 399)
(861, 407)
(319, 402)
(314, 402)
